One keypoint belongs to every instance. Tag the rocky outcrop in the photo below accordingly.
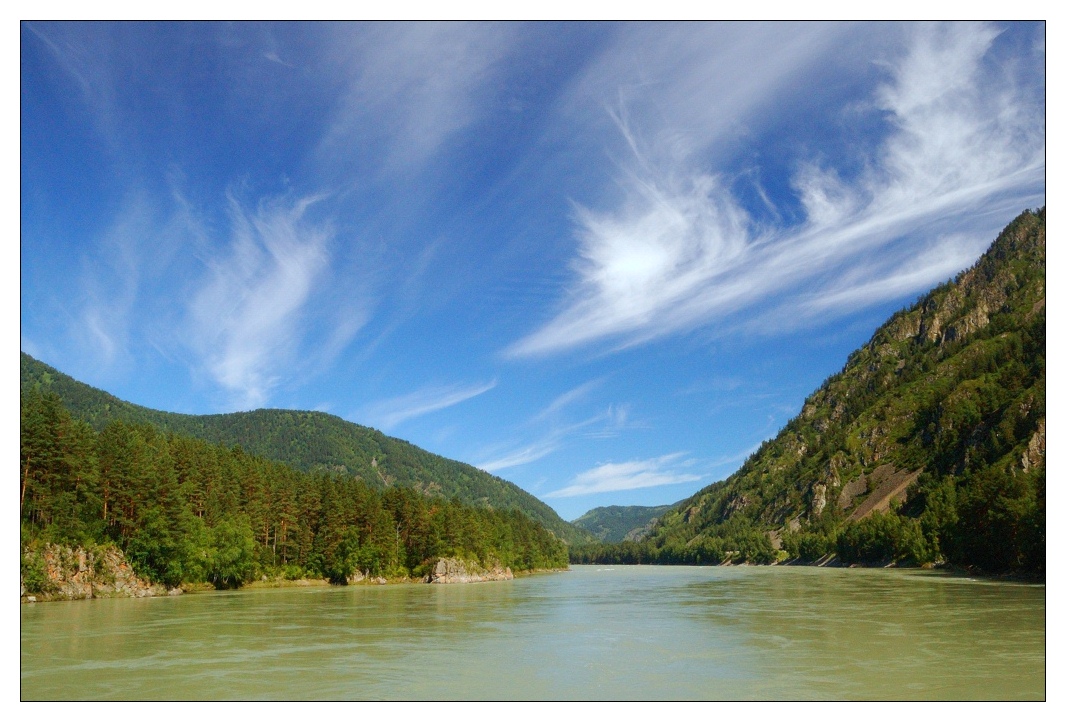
(818, 503)
(457, 571)
(854, 488)
(738, 503)
(57, 572)
(1033, 456)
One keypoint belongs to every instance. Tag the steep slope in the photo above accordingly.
(618, 523)
(308, 441)
(938, 422)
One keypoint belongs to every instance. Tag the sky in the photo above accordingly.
(602, 261)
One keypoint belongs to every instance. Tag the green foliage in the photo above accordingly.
(808, 546)
(307, 441)
(34, 574)
(230, 557)
(882, 538)
(1001, 522)
(612, 523)
(185, 510)
(736, 541)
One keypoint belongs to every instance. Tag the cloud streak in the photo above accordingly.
(565, 399)
(611, 421)
(393, 412)
(524, 455)
(244, 320)
(626, 476)
(681, 251)
(547, 444)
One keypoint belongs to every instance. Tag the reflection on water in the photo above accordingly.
(634, 633)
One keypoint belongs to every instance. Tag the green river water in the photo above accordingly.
(593, 633)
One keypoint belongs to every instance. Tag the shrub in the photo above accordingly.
(34, 574)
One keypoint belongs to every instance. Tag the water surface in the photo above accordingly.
(595, 633)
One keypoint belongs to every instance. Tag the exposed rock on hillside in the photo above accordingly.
(1034, 452)
(75, 573)
(888, 484)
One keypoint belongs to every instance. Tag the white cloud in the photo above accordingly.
(523, 455)
(245, 319)
(963, 146)
(628, 475)
(392, 412)
(676, 89)
(876, 281)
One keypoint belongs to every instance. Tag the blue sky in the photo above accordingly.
(603, 261)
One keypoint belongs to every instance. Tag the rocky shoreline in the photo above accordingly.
(58, 573)
(457, 571)
(77, 573)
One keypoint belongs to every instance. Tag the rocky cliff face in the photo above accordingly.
(57, 572)
(457, 571)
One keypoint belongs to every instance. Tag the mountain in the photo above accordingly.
(309, 441)
(618, 523)
(928, 446)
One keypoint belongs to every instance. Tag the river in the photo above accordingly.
(593, 633)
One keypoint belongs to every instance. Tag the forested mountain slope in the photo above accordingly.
(928, 446)
(618, 523)
(182, 510)
(308, 441)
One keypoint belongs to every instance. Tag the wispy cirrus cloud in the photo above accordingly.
(963, 147)
(410, 86)
(122, 301)
(606, 424)
(547, 443)
(675, 89)
(393, 412)
(244, 320)
(523, 455)
(629, 475)
(565, 399)
(111, 279)
(86, 59)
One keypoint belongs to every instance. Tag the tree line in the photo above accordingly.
(185, 510)
(308, 441)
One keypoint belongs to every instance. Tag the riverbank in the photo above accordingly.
(59, 573)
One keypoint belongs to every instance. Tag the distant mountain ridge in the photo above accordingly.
(620, 523)
(928, 446)
(307, 441)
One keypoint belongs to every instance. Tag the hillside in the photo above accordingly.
(928, 446)
(308, 441)
(183, 511)
(618, 523)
